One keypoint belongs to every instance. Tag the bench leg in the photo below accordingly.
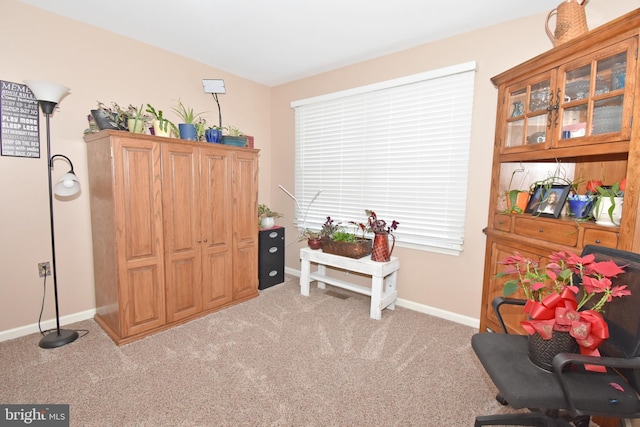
(377, 283)
(305, 271)
(391, 287)
(322, 270)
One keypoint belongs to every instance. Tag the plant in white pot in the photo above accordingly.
(161, 125)
(266, 217)
(137, 121)
(609, 201)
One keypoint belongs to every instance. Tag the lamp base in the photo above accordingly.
(55, 339)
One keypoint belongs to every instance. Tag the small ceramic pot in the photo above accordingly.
(268, 222)
(314, 242)
(213, 135)
(135, 126)
(580, 206)
(188, 131)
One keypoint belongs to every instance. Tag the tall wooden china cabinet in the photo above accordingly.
(573, 106)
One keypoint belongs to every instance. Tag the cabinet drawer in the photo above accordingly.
(600, 237)
(502, 222)
(556, 232)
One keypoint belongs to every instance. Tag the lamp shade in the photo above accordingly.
(214, 86)
(67, 185)
(46, 91)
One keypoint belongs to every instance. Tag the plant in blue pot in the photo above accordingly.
(580, 205)
(187, 127)
(213, 134)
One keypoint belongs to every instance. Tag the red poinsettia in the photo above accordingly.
(552, 294)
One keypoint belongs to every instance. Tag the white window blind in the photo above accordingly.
(399, 148)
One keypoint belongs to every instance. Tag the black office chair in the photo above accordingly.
(569, 393)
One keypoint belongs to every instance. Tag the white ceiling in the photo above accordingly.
(277, 41)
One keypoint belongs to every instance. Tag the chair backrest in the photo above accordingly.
(622, 314)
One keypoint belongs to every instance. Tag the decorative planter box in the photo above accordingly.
(352, 250)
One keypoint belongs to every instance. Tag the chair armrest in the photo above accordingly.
(499, 302)
(562, 360)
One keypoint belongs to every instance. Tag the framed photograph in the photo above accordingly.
(548, 201)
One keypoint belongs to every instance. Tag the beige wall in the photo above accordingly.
(96, 65)
(451, 283)
(99, 65)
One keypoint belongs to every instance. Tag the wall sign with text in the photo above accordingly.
(19, 125)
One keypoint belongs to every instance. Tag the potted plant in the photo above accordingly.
(608, 204)
(349, 239)
(312, 237)
(553, 305)
(161, 125)
(213, 134)
(266, 217)
(187, 127)
(340, 239)
(382, 231)
(137, 121)
(201, 127)
(517, 200)
(109, 117)
(233, 136)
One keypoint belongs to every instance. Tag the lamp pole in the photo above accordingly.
(48, 96)
(61, 336)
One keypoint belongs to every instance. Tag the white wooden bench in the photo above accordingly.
(383, 291)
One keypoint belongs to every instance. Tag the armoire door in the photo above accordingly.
(245, 217)
(139, 236)
(215, 220)
(182, 234)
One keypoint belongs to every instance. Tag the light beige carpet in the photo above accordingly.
(278, 360)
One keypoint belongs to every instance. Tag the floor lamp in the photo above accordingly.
(48, 96)
(214, 87)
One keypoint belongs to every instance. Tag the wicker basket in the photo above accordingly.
(571, 21)
(542, 352)
(352, 250)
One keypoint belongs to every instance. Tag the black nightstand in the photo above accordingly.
(270, 257)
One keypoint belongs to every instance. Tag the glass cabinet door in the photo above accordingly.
(596, 97)
(528, 108)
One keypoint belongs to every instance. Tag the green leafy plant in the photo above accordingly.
(201, 127)
(164, 123)
(344, 236)
(186, 114)
(138, 116)
(306, 233)
(264, 211)
(604, 192)
(232, 131)
(118, 114)
(512, 194)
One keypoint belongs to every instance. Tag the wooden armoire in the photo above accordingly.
(175, 231)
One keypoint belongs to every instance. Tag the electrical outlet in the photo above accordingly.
(44, 269)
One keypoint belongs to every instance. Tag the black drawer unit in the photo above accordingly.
(270, 257)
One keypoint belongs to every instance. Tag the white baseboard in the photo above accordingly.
(46, 325)
(432, 311)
